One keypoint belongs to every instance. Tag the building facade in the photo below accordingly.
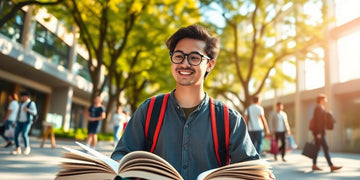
(337, 76)
(43, 58)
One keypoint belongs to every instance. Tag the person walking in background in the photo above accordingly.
(23, 123)
(118, 120)
(256, 121)
(319, 128)
(279, 126)
(10, 117)
(96, 113)
(186, 139)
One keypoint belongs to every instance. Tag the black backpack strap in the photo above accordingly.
(27, 113)
(219, 114)
(154, 118)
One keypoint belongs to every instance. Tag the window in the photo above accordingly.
(349, 57)
(50, 46)
(81, 68)
(14, 27)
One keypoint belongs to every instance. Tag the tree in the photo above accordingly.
(257, 37)
(110, 28)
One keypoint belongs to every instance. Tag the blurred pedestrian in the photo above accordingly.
(23, 123)
(118, 120)
(257, 124)
(96, 113)
(279, 127)
(10, 117)
(319, 118)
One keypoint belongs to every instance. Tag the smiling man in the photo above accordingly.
(186, 138)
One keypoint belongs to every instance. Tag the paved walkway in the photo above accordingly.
(42, 163)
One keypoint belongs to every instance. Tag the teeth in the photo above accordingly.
(184, 72)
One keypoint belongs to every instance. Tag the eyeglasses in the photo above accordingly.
(193, 58)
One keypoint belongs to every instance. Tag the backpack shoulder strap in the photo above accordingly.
(219, 114)
(154, 118)
(28, 104)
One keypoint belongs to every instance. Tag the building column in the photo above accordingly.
(331, 77)
(61, 101)
(28, 31)
(301, 123)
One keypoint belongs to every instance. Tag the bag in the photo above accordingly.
(330, 121)
(290, 143)
(266, 144)
(274, 149)
(10, 132)
(312, 124)
(36, 116)
(310, 150)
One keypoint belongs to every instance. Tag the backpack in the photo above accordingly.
(36, 116)
(219, 114)
(312, 124)
(330, 121)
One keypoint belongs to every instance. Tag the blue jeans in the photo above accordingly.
(256, 138)
(116, 134)
(24, 128)
(323, 143)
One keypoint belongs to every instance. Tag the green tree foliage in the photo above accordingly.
(16, 5)
(257, 37)
(127, 37)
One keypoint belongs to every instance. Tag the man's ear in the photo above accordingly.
(211, 65)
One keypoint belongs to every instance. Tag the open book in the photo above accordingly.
(146, 165)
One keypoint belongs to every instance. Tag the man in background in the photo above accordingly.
(279, 126)
(319, 119)
(256, 122)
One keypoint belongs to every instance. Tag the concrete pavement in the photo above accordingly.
(42, 163)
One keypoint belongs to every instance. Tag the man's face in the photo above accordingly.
(186, 74)
(24, 98)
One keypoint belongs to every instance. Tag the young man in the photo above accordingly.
(185, 139)
(279, 126)
(319, 119)
(23, 123)
(255, 118)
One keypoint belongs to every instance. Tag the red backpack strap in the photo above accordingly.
(219, 114)
(154, 119)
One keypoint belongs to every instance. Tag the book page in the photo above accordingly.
(87, 176)
(112, 163)
(84, 158)
(149, 162)
(253, 169)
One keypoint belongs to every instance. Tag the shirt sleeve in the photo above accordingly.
(32, 108)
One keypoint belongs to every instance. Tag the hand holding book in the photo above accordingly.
(146, 165)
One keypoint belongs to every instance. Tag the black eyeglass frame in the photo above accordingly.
(188, 55)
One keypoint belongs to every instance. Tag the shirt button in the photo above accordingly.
(185, 166)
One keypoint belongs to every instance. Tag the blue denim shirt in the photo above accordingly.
(187, 144)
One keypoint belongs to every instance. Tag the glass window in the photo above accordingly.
(80, 68)
(349, 57)
(50, 46)
(14, 27)
(346, 10)
(315, 71)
